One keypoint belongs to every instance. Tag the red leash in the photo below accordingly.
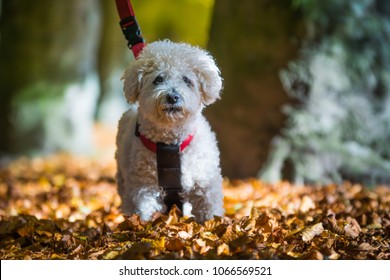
(130, 27)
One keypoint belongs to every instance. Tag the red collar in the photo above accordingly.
(153, 146)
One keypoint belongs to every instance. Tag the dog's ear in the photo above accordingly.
(131, 85)
(209, 78)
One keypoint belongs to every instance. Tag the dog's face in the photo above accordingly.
(172, 82)
(168, 94)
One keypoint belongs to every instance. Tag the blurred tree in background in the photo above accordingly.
(48, 74)
(341, 130)
(113, 57)
(61, 63)
(307, 83)
(251, 40)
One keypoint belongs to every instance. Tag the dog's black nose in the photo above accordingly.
(173, 98)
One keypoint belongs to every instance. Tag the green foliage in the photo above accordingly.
(31, 108)
(362, 28)
(177, 20)
(341, 128)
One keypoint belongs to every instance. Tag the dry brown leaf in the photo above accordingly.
(223, 249)
(309, 233)
(173, 216)
(183, 234)
(334, 226)
(62, 207)
(26, 230)
(174, 245)
(367, 247)
(352, 228)
(307, 204)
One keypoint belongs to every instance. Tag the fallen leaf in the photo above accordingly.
(223, 249)
(67, 207)
(307, 204)
(367, 247)
(352, 228)
(183, 234)
(309, 233)
(174, 245)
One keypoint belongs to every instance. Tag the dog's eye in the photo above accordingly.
(158, 80)
(187, 81)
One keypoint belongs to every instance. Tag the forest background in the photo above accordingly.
(306, 83)
(303, 127)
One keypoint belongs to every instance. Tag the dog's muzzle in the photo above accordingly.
(172, 103)
(173, 98)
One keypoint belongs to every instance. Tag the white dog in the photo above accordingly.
(170, 84)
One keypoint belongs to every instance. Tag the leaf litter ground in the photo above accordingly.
(66, 207)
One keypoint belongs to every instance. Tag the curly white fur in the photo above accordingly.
(162, 69)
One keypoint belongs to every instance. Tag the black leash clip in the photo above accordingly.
(132, 31)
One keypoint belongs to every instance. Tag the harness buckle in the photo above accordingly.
(132, 31)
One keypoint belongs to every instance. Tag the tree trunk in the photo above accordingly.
(251, 41)
(114, 56)
(47, 64)
(340, 130)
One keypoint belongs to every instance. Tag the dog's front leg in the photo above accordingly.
(206, 202)
(143, 200)
(149, 200)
